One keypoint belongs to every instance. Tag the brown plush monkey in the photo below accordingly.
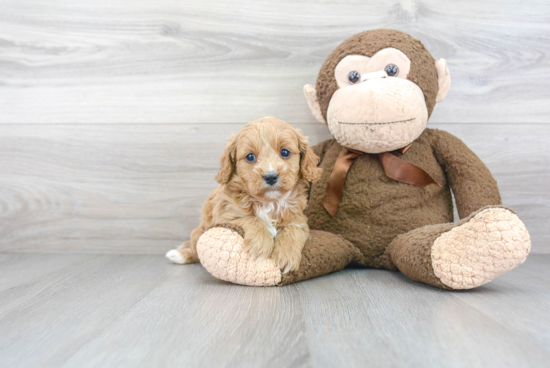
(384, 198)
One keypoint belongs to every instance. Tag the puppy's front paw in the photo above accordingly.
(287, 258)
(260, 246)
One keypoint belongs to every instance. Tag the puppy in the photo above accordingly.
(264, 179)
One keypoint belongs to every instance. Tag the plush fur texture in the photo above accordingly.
(383, 223)
(221, 251)
(222, 254)
(378, 112)
(323, 253)
(375, 209)
(485, 245)
(379, 115)
(460, 255)
(272, 216)
(423, 72)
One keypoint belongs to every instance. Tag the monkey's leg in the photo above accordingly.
(465, 254)
(323, 253)
(221, 252)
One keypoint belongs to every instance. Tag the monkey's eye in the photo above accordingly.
(250, 157)
(285, 153)
(354, 77)
(391, 70)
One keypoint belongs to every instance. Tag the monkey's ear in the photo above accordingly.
(227, 161)
(443, 79)
(308, 160)
(311, 97)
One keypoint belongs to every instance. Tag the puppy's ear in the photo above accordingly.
(227, 161)
(308, 160)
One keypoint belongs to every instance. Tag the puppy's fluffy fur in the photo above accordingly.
(272, 216)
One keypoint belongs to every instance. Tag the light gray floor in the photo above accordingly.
(125, 310)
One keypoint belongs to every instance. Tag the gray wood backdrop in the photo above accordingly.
(113, 113)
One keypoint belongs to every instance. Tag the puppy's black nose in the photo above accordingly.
(271, 178)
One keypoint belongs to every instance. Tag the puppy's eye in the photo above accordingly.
(391, 70)
(250, 157)
(354, 77)
(285, 153)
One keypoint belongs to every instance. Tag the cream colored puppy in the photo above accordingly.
(265, 173)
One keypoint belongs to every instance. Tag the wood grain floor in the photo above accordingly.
(130, 311)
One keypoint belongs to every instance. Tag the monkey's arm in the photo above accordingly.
(321, 148)
(471, 181)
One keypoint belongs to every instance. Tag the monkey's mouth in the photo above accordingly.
(384, 123)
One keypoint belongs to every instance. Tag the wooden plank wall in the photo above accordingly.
(113, 114)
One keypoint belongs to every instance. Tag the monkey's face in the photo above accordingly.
(376, 108)
(373, 103)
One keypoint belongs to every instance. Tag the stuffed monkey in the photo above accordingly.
(384, 198)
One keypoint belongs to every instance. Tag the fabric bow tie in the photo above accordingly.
(394, 167)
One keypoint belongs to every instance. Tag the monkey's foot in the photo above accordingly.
(221, 252)
(487, 245)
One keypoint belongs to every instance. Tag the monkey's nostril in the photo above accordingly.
(271, 178)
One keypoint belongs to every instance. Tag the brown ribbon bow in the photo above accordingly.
(394, 167)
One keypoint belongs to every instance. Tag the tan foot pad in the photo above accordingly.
(221, 252)
(487, 245)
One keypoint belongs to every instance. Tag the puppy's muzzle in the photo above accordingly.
(271, 178)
